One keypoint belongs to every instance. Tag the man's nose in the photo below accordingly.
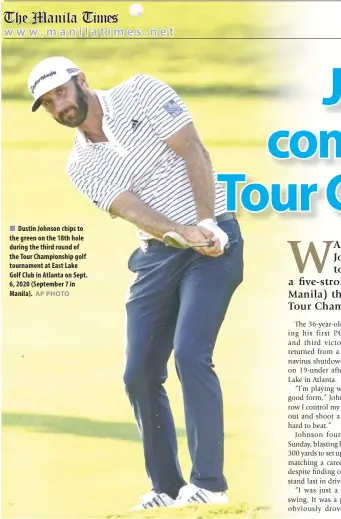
(59, 105)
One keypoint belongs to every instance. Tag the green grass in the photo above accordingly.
(241, 511)
(237, 67)
(70, 445)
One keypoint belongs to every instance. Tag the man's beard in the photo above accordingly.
(76, 114)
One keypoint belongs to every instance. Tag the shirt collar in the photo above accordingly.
(103, 97)
(105, 102)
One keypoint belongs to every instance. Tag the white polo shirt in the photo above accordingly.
(139, 114)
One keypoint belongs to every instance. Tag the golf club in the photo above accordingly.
(173, 239)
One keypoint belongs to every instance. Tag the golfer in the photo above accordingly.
(138, 156)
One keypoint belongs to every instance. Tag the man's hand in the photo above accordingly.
(195, 234)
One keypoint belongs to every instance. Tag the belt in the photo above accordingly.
(225, 217)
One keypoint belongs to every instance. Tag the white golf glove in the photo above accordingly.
(210, 225)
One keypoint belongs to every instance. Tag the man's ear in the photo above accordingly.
(82, 80)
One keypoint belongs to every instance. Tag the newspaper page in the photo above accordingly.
(171, 259)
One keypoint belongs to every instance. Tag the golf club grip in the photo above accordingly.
(227, 246)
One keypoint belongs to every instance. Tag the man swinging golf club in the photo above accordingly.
(138, 156)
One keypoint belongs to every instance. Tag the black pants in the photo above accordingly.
(178, 302)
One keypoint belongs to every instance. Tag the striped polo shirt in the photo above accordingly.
(138, 116)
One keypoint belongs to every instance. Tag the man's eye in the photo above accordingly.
(60, 90)
(46, 103)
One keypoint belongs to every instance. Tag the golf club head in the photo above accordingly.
(173, 239)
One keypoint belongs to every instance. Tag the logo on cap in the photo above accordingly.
(44, 76)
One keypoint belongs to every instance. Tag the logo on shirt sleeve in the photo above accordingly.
(172, 108)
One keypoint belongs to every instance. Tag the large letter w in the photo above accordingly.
(301, 264)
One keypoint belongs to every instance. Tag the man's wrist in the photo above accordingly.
(178, 227)
(205, 215)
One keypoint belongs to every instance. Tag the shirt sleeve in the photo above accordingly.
(166, 111)
(96, 186)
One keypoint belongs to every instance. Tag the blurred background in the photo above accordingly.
(70, 444)
(207, 66)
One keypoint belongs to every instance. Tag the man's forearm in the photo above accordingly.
(129, 207)
(200, 173)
